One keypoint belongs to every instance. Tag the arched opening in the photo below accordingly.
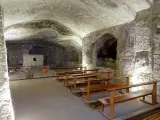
(41, 50)
(73, 57)
(106, 51)
(52, 55)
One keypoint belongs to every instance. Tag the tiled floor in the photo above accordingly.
(48, 99)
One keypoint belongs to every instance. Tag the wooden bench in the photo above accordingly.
(87, 91)
(125, 97)
(64, 75)
(146, 113)
(79, 79)
(78, 75)
(62, 70)
(84, 79)
(83, 82)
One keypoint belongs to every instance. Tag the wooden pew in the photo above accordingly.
(87, 91)
(92, 73)
(61, 76)
(61, 70)
(125, 97)
(69, 75)
(81, 79)
(64, 74)
(70, 82)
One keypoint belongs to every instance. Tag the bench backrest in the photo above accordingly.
(131, 86)
(104, 75)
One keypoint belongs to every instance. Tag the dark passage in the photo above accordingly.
(108, 50)
(106, 54)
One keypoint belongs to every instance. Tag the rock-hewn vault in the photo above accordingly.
(80, 23)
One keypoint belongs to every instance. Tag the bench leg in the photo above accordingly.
(154, 94)
(127, 90)
(75, 84)
(127, 83)
(66, 80)
(83, 94)
(143, 98)
(121, 91)
(102, 108)
(88, 91)
(112, 105)
(104, 82)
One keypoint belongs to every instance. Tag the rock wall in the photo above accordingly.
(156, 59)
(135, 51)
(89, 47)
(156, 41)
(15, 55)
(6, 108)
(133, 48)
(54, 55)
(135, 60)
(74, 56)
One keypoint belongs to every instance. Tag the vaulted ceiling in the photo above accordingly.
(66, 20)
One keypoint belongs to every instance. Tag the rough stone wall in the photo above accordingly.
(156, 59)
(15, 55)
(156, 41)
(74, 56)
(83, 16)
(54, 55)
(135, 51)
(6, 108)
(133, 48)
(90, 43)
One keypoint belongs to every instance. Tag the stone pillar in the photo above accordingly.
(87, 52)
(6, 108)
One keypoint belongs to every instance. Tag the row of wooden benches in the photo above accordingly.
(86, 82)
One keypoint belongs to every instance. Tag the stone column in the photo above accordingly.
(6, 108)
(87, 50)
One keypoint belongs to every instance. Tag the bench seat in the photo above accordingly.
(85, 81)
(63, 78)
(100, 87)
(79, 88)
(112, 99)
(95, 88)
(126, 97)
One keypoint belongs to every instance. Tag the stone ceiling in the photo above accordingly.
(69, 19)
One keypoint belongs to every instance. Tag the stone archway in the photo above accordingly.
(93, 42)
(105, 49)
(133, 48)
(73, 57)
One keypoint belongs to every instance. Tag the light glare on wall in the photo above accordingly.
(14, 33)
(138, 76)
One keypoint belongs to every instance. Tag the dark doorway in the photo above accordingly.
(106, 50)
